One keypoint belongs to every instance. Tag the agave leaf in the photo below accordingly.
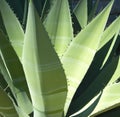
(6, 106)
(2, 27)
(109, 99)
(110, 32)
(116, 75)
(13, 27)
(93, 10)
(87, 110)
(81, 12)
(111, 50)
(4, 72)
(45, 9)
(18, 8)
(14, 74)
(3, 83)
(59, 26)
(81, 51)
(94, 69)
(21, 98)
(44, 73)
(97, 65)
(95, 87)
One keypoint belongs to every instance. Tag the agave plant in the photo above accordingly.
(49, 70)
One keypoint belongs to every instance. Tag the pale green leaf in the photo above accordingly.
(97, 85)
(12, 70)
(13, 27)
(59, 26)
(44, 73)
(110, 32)
(111, 50)
(80, 12)
(81, 51)
(109, 99)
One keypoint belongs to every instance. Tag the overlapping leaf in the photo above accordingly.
(81, 12)
(109, 99)
(6, 106)
(44, 73)
(81, 51)
(13, 27)
(13, 73)
(95, 87)
(59, 26)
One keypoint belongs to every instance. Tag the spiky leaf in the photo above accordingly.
(44, 73)
(13, 27)
(81, 51)
(81, 12)
(59, 27)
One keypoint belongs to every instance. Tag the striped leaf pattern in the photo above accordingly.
(109, 99)
(81, 12)
(59, 27)
(80, 53)
(44, 73)
(13, 27)
(7, 108)
(13, 72)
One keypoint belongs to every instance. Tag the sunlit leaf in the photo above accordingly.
(81, 12)
(81, 51)
(44, 73)
(13, 27)
(59, 27)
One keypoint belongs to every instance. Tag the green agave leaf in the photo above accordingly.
(2, 27)
(44, 73)
(5, 74)
(111, 51)
(14, 74)
(97, 65)
(6, 106)
(116, 75)
(21, 98)
(87, 110)
(59, 26)
(111, 113)
(18, 8)
(92, 11)
(95, 87)
(47, 5)
(81, 12)
(3, 83)
(80, 53)
(109, 99)
(110, 32)
(13, 27)
(94, 69)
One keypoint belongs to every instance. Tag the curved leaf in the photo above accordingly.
(13, 27)
(87, 110)
(7, 108)
(81, 12)
(116, 75)
(81, 51)
(109, 99)
(59, 26)
(44, 73)
(13, 72)
(110, 32)
(95, 87)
